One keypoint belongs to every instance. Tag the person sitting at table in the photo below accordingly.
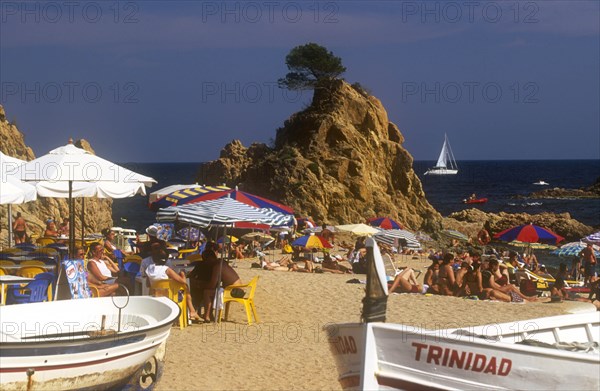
(51, 231)
(100, 270)
(221, 272)
(63, 228)
(159, 271)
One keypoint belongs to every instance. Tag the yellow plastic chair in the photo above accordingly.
(7, 263)
(44, 241)
(194, 258)
(132, 258)
(10, 250)
(189, 251)
(32, 262)
(30, 271)
(247, 300)
(3, 291)
(95, 292)
(175, 291)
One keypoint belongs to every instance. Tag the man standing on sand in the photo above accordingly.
(483, 238)
(589, 262)
(19, 229)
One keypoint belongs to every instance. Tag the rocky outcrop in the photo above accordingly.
(470, 221)
(339, 161)
(98, 213)
(585, 192)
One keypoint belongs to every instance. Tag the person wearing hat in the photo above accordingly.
(144, 247)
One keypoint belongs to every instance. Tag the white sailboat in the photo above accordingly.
(446, 165)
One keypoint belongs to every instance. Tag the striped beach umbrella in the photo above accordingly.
(384, 222)
(529, 233)
(222, 211)
(573, 249)
(400, 234)
(593, 238)
(185, 194)
(311, 241)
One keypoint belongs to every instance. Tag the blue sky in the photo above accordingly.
(151, 81)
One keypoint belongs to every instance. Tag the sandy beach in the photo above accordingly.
(289, 350)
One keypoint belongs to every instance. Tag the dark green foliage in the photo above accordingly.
(361, 89)
(310, 64)
(314, 168)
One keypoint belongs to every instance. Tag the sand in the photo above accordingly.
(288, 348)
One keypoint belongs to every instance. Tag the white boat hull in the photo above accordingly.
(44, 346)
(442, 171)
(379, 356)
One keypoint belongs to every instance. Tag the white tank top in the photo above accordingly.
(157, 272)
(102, 268)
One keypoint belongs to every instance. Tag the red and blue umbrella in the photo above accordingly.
(385, 223)
(311, 241)
(205, 193)
(529, 233)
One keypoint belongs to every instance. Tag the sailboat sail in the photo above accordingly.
(446, 165)
(441, 162)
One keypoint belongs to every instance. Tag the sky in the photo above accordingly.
(174, 81)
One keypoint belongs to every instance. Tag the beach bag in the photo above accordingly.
(287, 249)
(528, 287)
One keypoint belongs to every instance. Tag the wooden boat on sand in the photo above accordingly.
(559, 352)
(84, 344)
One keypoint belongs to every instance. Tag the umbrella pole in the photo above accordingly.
(71, 222)
(82, 214)
(10, 224)
(217, 303)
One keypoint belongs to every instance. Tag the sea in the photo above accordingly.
(506, 184)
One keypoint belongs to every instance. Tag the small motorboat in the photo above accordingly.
(530, 354)
(475, 200)
(95, 343)
(541, 183)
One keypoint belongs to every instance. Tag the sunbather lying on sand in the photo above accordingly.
(406, 282)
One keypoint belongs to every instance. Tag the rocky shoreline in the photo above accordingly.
(560, 193)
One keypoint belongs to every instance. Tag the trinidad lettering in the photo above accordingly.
(462, 360)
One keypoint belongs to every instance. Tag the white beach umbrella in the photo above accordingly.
(358, 229)
(12, 190)
(68, 172)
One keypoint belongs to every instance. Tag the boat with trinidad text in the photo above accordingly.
(95, 343)
(446, 164)
(559, 352)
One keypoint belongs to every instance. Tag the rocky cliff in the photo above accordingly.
(98, 213)
(339, 161)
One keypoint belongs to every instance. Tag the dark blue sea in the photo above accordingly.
(499, 181)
